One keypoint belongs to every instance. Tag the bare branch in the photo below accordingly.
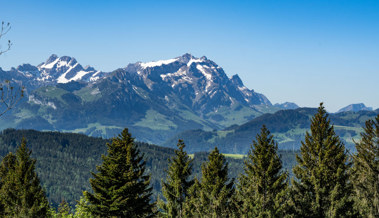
(5, 27)
(9, 96)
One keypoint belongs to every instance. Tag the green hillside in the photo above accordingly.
(288, 127)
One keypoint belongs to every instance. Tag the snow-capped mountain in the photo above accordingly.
(153, 99)
(199, 83)
(66, 69)
(55, 70)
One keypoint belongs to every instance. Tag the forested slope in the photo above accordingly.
(65, 160)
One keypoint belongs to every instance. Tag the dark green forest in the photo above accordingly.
(64, 161)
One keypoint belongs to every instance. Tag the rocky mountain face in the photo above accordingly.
(355, 108)
(199, 83)
(155, 99)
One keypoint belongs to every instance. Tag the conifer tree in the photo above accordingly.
(7, 164)
(175, 189)
(366, 169)
(263, 186)
(21, 193)
(322, 188)
(121, 186)
(215, 191)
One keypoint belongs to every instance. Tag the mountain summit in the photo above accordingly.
(200, 83)
(66, 69)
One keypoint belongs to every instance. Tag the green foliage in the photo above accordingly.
(21, 194)
(64, 161)
(64, 209)
(175, 189)
(322, 187)
(81, 210)
(212, 197)
(264, 184)
(7, 165)
(366, 169)
(121, 186)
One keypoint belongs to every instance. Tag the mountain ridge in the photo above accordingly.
(154, 99)
(355, 108)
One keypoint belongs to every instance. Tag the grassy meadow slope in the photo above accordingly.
(287, 126)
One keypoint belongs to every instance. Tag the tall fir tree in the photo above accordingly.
(366, 169)
(21, 193)
(262, 189)
(177, 184)
(212, 197)
(322, 187)
(121, 187)
(7, 164)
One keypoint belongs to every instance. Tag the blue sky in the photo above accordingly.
(299, 51)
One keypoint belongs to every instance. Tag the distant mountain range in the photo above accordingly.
(155, 99)
(355, 108)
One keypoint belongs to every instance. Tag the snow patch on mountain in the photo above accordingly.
(157, 63)
(39, 102)
(204, 72)
(194, 60)
(49, 65)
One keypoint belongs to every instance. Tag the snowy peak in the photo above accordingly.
(157, 63)
(66, 69)
(51, 59)
(200, 82)
(53, 62)
(186, 59)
